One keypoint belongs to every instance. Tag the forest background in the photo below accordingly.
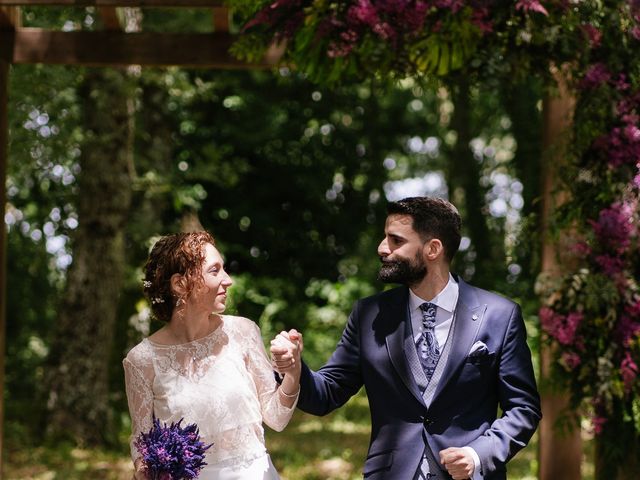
(292, 180)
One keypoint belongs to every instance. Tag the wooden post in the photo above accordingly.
(10, 18)
(560, 453)
(4, 151)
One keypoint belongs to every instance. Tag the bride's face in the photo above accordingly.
(216, 281)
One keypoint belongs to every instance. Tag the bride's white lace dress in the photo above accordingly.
(224, 383)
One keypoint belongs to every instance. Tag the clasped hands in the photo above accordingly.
(286, 350)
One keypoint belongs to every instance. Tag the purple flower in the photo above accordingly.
(629, 324)
(596, 75)
(622, 83)
(172, 452)
(614, 227)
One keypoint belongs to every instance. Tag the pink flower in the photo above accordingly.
(335, 49)
(562, 328)
(629, 325)
(581, 249)
(481, 19)
(596, 75)
(632, 132)
(531, 6)
(629, 371)
(635, 32)
(598, 423)
(593, 34)
(453, 5)
(611, 266)
(413, 17)
(384, 31)
(622, 83)
(571, 360)
(364, 12)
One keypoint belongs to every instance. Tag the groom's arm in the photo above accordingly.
(330, 387)
(518, 397)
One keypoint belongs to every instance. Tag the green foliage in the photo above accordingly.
(290, 178)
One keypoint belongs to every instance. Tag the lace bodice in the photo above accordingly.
(223, 382)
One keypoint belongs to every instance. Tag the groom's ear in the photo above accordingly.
(433, 249)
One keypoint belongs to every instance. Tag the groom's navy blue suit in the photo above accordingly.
(463, 411)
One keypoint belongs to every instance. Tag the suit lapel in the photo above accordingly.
(468, 318)
(396, 312)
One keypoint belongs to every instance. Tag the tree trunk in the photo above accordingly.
(465, 189)
(78, 404)
(560, 453)
(4, 156)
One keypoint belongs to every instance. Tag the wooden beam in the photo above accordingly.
(114, 3)
(110, 19)
(4, 157)
(220, 19)
(560, 453)
(206, 50)
(10, 18)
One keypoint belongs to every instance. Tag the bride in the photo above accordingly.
(205, 367)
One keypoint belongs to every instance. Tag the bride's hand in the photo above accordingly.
(140, 472)
(286, 350)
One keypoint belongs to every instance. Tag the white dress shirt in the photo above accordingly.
(445, 302)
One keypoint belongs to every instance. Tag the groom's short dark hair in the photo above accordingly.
(432, 218)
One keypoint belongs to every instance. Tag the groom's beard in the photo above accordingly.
(403, 271)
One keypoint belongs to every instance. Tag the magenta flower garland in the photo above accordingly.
(592, 316)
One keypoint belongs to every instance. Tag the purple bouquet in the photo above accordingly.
(172, 452)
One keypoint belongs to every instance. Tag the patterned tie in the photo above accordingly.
(427, 345)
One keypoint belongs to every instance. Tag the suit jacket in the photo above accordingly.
(464, 407)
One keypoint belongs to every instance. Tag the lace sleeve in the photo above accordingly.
(274, 414)
(138, 376)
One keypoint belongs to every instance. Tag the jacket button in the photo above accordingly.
(427, 421)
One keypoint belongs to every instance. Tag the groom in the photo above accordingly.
(437, 356)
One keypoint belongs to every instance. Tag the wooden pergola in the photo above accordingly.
(113, 46)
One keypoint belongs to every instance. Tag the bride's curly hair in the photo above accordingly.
(181, 253)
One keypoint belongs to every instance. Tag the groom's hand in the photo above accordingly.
(458, 462)
(286, 350)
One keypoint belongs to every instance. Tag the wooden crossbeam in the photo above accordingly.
(207, 50)
(114, 3)
(10, 18)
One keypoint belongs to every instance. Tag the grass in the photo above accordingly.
(311, 448)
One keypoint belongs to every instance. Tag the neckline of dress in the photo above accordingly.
(212, 334)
